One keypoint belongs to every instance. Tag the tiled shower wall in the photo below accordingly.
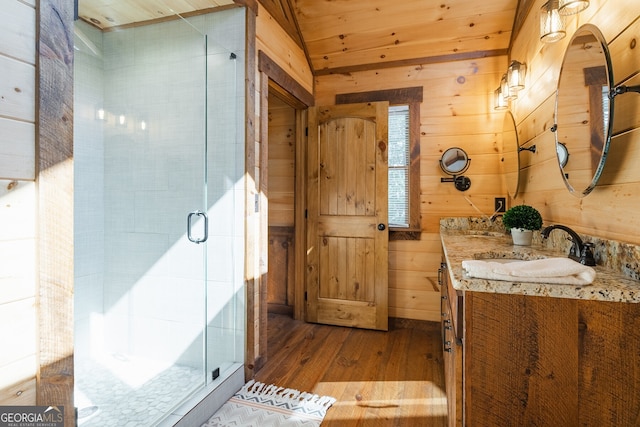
(149, 299)
(88, 187)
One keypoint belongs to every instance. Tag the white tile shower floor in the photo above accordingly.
(120, 391)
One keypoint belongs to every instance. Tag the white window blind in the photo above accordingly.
(399, 146)
(605, 107)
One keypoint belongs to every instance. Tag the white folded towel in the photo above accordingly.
(549, 270)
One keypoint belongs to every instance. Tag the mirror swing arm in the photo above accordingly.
(461, 182)
(620, 89)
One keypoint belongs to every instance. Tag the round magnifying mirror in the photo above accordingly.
(584, 110)
(510, 154)
(454, 161)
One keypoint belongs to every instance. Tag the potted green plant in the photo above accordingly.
(522, 220)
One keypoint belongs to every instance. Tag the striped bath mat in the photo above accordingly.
(261, 405)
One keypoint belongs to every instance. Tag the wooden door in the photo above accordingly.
(347, 230)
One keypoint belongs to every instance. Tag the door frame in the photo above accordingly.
(299, 224)
(273, 77)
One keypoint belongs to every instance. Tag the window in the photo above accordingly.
(606, 104)
(399, 161)
(404, 156)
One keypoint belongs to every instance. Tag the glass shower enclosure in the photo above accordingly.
(159, 243)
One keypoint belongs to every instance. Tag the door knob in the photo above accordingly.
(381, 227)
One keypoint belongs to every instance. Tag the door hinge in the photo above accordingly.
(306, 131)
(305, 295)
(305, 214)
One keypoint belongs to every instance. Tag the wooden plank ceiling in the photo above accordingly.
(109, 14)
(348, 35)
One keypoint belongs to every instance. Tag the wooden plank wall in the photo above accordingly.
(18, 332)
(17, 90)
(610, 210)
(457, 111)
(282, 162)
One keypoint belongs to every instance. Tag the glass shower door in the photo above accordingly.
(144, 336)
(159, 304)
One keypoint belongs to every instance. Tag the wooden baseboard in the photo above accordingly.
(423, 325)
(280, 309)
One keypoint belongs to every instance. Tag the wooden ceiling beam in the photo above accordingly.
(412, 61)
(522, 11)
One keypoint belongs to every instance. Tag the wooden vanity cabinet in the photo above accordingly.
(540, 361)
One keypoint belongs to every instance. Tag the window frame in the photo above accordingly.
(412, 97)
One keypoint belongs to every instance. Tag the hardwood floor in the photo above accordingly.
(380, 379)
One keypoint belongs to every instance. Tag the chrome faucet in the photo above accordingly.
(579, 251)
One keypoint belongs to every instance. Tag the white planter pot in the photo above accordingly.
(521, 237)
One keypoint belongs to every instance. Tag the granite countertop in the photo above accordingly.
(459, 245)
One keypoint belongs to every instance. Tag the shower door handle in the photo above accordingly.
(206, 226)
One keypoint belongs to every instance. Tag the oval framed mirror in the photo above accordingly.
(510, 154)
(454, 161)
(584, 110)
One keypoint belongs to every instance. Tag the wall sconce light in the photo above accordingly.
(512, 82)
(515, 76)
(571, 7)
(551, 22)
(507, 93)
(499, 103)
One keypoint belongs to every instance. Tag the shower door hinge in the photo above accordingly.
(215, 374)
